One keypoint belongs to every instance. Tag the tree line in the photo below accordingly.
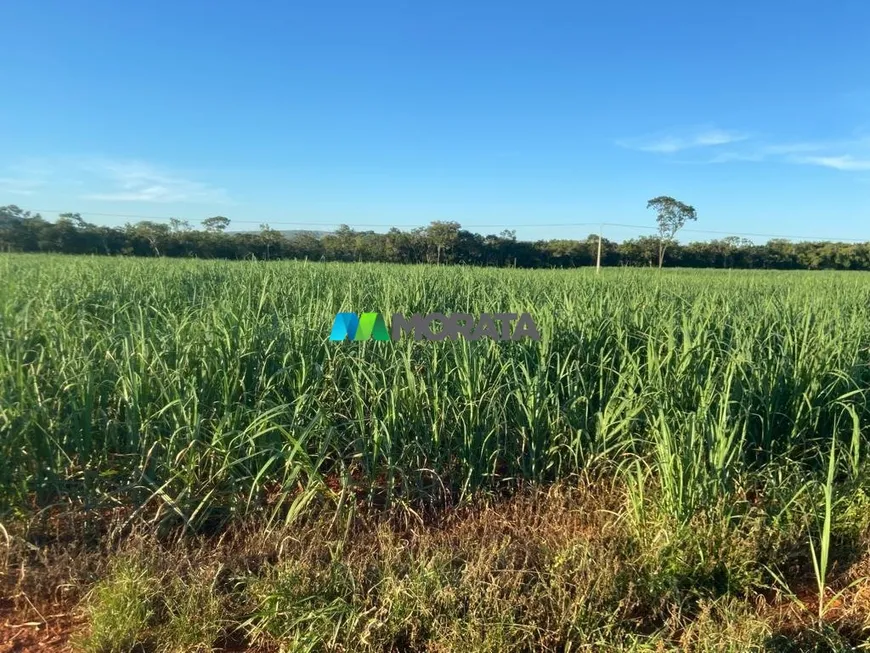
(439, 242)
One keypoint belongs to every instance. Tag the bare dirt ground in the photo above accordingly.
(27, 631)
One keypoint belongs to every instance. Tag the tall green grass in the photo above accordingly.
(196, 391)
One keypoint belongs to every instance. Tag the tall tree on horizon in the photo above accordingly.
(217, 224)
(671, 215)
(443, 234)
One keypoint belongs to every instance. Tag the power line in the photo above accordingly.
(730, 233)
(738, 233)
(319, 224)
(302, 223)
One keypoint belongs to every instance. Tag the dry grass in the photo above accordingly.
(555, 569)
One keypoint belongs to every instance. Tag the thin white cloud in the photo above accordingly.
(730, 157)
(795, 148)
(849, 155)
(110, 180)
(19, 185)
(841, 162)
(717, 137)
(136, 181)
(671, 143)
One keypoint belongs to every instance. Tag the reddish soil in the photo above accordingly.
(53, 634)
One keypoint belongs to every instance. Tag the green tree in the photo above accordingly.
(271, 238)
(639, 251)
(178, 226)
(341, 244)
(671, 215)
(75, 220)
(152, 233)
(217, 224)
(443, 235)
(16, 232)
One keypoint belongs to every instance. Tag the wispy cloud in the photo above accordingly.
(731, 157)
(19, 185)
(136, 181)
(801, 147)
(846, 154)
(849, 154)
(109, 180)
(669, 143)
(842, 162)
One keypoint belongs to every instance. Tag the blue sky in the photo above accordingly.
(514, 115)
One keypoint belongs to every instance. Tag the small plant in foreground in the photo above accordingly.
(120, 609)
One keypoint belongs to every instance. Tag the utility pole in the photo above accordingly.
(598, 259)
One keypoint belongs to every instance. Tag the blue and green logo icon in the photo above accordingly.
(495, 326)
(364, 327)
